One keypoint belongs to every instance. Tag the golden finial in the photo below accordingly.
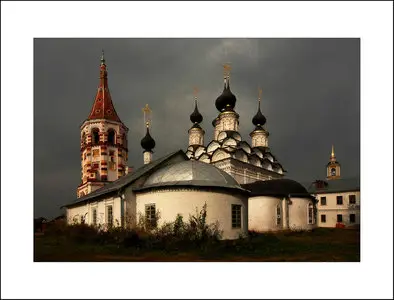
(102, 56)
(195, 92)
(260, 93)
(226, 70)
(147, 115)
(332, 151)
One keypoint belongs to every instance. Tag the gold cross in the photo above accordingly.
(260, 92)
(146, 110)
(227, 69)
(195, 92)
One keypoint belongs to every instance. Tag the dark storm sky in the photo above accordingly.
(311, 99)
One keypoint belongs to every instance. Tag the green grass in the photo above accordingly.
(322, 244)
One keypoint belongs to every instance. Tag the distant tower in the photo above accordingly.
(103, 141)
(147, 143)
(228, 119)
(259, 135)
(333, 167)
(196, 133)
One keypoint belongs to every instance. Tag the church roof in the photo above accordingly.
(234, 151)
(335, 185)
(103, 107)
(127, 179)
(277, 187)
(191, 173)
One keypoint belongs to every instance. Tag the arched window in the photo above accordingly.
(95, 136)
(278, 215)
(111, 137)
(310, 214)
(333, 172)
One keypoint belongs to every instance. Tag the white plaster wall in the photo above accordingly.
(331, 217)
(331, 209)
(87, 211)
(171, 202)
(298, 214)
(262, 213)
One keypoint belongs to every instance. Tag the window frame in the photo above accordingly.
(350, 219)
(350, 199)
(278, 215)
(340, 197)
(341, 221)
(310, 214)
(94, 132)
(236, 216)
(150, 215)
(325, 201)
(94, 216)
(108, 209)
(113, 133)
(321, 218)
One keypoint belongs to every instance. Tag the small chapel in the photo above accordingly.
(240, 182)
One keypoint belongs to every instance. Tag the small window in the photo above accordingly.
(310, 213)
(323, 201)
(95, 136)
(96, 153)
(112, 166)
(109, 216)
(323, 218)
(333, 172)
(236, 216)
(82, 220)
(111, 137)
(339, 200)
(112, 156)
(352, 218)
(94, 216)
(278, 215)
(339, 218)
(150, 214)
(352, 199)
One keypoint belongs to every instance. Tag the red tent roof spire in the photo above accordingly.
(103, 107)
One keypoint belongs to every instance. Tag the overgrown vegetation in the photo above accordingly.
(192, 240)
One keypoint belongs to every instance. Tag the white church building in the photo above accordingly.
(241, 183)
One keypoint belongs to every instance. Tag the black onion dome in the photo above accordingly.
(259, 119)
(148, 143)
(226, 100)
(196, 117)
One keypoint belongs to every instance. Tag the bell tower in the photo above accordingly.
(333, 167)
(104, 151)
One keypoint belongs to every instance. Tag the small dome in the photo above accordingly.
(192, 172)
(226, 100)
(148, 143)
(277, 187)
(196, 117)
(259, 119)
